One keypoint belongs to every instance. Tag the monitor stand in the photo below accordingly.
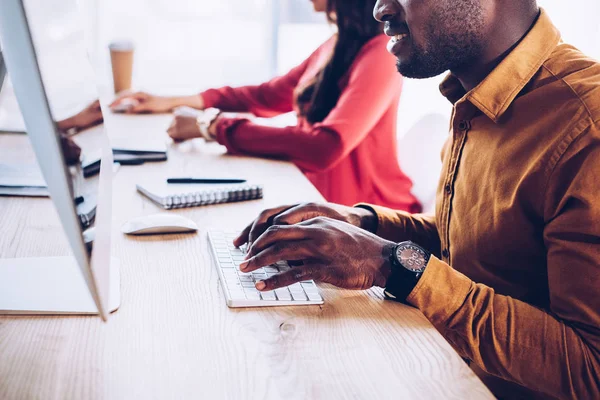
(50, 286)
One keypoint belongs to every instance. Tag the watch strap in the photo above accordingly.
(204, 122)
(401, 284)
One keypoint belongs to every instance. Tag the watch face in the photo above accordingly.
(411, 257)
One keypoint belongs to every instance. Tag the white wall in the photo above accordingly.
(186, 45)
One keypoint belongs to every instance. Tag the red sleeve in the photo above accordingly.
(267, 100)
(373, 84)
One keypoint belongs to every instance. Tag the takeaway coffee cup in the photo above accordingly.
(121, 58)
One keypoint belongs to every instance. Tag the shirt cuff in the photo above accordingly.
(225, 129)
(211, 98)
(368, 207)
(440, 292)
(388, 221)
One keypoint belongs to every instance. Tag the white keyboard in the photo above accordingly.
(239, 287)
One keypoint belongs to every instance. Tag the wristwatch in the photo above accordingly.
(205, 120)
(408, 261)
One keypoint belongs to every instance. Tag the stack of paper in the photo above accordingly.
(22, 180)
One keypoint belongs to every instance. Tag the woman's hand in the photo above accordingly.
(71, 151)
(142, 102)
(183, 128)
(86, 118)
(289, 215)
(331, 251)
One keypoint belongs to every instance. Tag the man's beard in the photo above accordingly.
(451, 46)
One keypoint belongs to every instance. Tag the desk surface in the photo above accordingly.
(174, 337)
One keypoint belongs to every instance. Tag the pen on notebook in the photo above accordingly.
(204, 180)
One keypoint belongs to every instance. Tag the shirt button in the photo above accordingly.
(464, 125)
(445, 253)
(448, 189)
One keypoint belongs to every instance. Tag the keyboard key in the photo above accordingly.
(240, 286)
(235, 286)
(296, 288)
(299, 296)
(314, 297)
(313, 289)
(283, 294)
(237, 295)
(268, 296)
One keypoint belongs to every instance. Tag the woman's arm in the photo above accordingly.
(266, 100)
(373, 85)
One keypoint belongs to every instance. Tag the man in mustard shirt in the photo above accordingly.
(508, 270)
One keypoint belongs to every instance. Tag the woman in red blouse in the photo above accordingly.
(346, 98)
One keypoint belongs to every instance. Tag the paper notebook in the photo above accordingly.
(171, 196)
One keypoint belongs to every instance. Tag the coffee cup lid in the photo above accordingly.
(121, 45)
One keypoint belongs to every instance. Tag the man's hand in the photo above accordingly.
(331, 251)
(289, 215)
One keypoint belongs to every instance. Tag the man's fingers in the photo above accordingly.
(275, 234)
(264, 220)
(290, 250)
(298, 214)
(243, 237)
(298, 274)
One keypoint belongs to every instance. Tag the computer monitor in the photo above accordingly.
(2, 70)
(46, 87)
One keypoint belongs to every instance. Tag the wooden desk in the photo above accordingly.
(174, 337)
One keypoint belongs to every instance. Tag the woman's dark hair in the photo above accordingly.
(356, 26)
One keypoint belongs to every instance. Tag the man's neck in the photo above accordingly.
(503, 39)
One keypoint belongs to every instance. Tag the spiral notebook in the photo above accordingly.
(170, 196)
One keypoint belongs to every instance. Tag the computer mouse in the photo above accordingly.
(157, 224)
(124, 105)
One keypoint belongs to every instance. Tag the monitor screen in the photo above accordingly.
(45, 46)
(2, 70)
(59, 38)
